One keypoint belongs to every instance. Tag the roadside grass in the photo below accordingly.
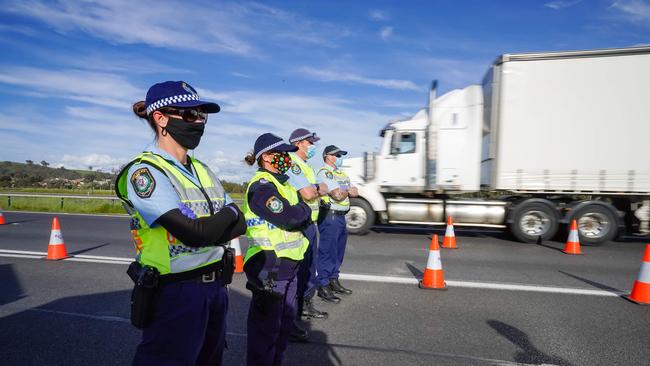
(68, 205)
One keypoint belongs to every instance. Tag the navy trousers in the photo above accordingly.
(307, 270)
(331, 247)
(188, 328)
(269, 328)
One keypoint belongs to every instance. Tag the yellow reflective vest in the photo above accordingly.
(311, 178)
(155, 246)
(262, 235)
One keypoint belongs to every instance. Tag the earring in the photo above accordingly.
(164, 131)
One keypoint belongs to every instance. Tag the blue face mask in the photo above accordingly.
(338, 162)
(311, 151)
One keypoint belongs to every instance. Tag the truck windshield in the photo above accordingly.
(403, 143)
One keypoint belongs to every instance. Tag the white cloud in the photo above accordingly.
(91, 87)
(635, 11)
(561, 4)
(378, 15)
(331, 75)
(241, 75)
(102, 162)
(386, 33)
(211, 27)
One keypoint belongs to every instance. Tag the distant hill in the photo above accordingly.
(22, 175)
(40, 175)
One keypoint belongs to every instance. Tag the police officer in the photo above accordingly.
(333, 230)
(276, 217)
(181, 220)
(303, 179)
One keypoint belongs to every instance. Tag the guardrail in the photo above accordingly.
(71, 196)
(60, 196)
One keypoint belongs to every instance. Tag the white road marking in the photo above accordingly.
(355, 277)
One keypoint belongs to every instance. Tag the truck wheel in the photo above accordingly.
(360, 218)
(596, 224)
(532, 220)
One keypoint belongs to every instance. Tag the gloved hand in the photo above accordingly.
(235, 209)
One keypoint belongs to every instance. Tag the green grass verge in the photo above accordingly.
(83, 192)
(70, 205)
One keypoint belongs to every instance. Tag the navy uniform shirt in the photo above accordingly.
(267, 203)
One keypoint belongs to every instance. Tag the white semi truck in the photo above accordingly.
(545, 139)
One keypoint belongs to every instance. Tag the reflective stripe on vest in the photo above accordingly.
(155, 246)
(311, 178)
(263, 235)
(344, 183)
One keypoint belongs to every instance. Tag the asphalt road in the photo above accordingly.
(76, 313)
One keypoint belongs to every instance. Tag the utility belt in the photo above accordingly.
(148, 280)
(338, 212)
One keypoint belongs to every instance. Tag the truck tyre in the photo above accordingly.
(532, 220)
(360, 218)
(596, 224)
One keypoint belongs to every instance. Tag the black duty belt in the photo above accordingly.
(338, 213)
(207, 274)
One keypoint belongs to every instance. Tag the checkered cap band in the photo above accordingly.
(300, 138)
(171, 100)
(268, 148)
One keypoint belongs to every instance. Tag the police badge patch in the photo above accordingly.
(143, 182)
(329, 175)
(274, 204)
(295, 169)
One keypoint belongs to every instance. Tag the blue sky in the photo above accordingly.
(70, 70)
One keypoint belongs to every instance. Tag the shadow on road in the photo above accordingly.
(594, 283)
(88, 249)
(528, 354)
(419, 230)
(12, 290)
(316, 352)
(417, 273)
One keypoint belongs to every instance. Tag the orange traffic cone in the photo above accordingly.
(2, 219)
(239, 260)
(573, 242)
(449, 241)
(56, 248)
(434, 277)
(641, 290)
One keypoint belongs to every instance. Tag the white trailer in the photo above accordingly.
(551, 137)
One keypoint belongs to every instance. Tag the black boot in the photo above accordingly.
(298, 334)
(325, 293)
(309, 311)
(335, 285)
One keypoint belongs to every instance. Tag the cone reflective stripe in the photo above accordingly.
(641, 290)
(449, 241)
(239, 260)
(573, 242)
(434, 277)
(2, 219)
(56, 248)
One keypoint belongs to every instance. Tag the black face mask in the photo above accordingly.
(187, 134)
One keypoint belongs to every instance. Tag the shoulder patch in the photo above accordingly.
(275, 205)
(143, 182)
(329, 175)
(295, 169)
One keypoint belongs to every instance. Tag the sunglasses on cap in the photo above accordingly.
(188, 115)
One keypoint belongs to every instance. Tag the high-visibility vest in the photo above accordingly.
(155, 246)
(262, 235)
(311, 178)
(344, 183)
